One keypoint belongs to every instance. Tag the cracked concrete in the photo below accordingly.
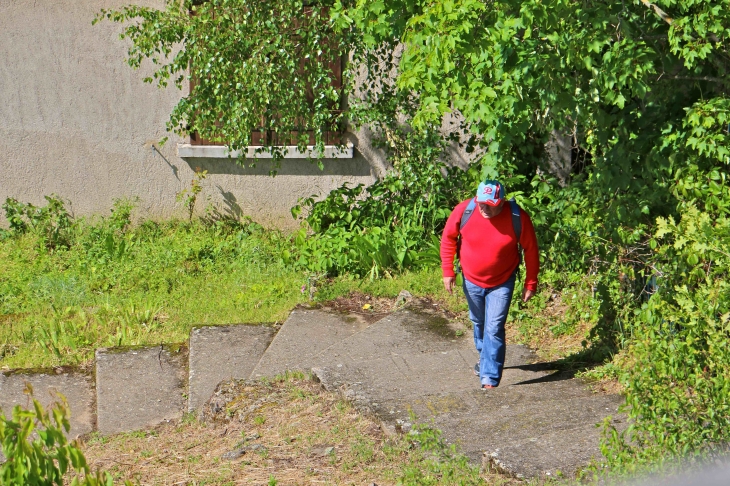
(535, 424)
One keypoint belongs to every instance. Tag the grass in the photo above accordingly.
(116, 284)
(307, 436)
(57, 306)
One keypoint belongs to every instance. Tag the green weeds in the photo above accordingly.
(392, 225)
(51, 223)
(37, 451)
(111, 283)
(120, 284)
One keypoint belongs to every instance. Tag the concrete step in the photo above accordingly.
(410, 363)
(138, 387)
(220, 353)
(305, 336)
(545, 454)
(75, 385)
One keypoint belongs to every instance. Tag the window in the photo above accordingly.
(290, 40)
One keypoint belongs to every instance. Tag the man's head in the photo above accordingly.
(490, 198)
(490, 193)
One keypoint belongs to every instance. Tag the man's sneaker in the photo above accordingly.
(487, 387)
(476, 369)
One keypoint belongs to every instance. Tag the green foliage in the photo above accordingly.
(122, 284)
(52, 222)
(255, 65)
(189, 196)
(679, 375)
(641, 89)
(393, 224)
(441, 464)
(511, 67)
(37, 452)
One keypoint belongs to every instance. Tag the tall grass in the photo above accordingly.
(113, 284)
(106, 282)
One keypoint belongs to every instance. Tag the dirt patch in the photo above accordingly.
(366, 307)
(289, 430)
(554, 347)
(10, 318)
(539, 334)
(372, 309)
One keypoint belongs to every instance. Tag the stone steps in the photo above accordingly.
(536, 423)
(139, 387)
(76, 385)
(305, 336)
(220, 353)
(408, 363)
(135, 387)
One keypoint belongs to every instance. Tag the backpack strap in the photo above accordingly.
(467, 213)
(464, 219)
(516, 221)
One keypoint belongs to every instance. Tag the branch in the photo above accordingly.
(701, 78)
(665, 17)
(661, 13)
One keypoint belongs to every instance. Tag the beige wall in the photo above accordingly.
(76, 121)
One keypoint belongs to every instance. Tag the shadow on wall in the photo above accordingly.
(355, 167)
(231, 208)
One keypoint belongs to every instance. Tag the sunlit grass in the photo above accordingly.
(57, 307)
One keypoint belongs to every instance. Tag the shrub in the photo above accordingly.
(678, 378)
(52, 222)
(37, 452)
(393, 224)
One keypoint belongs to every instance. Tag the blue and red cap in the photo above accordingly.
(490, 193)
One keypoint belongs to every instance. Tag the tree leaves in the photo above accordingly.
(264, 67)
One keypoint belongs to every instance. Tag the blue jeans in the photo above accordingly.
(488, 309)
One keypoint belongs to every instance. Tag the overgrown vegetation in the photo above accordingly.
(115, 283)
(288, 429)
(112, 283)
(38, 453)
(393, 224)
(233, 70)
(633, 223)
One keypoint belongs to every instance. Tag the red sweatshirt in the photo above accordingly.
(489, 247)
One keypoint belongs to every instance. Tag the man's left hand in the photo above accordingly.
(527, 294)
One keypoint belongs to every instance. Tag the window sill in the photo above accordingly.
(186, 150)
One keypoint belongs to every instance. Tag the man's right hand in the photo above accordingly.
(449, 283)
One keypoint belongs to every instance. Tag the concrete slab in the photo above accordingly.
(220, 353)
(76, 386)
(537, 422)
(551, 454)
(304, 336)
(139, 387)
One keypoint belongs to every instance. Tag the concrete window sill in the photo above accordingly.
(188, 151)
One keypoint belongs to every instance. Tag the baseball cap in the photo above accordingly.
(490, 192)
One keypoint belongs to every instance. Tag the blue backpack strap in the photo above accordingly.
(464, 219)
(516, 221)
(467, 213)
(517, 226)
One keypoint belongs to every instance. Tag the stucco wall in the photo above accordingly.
(76, 121)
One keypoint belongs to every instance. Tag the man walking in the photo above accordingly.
(486, 233)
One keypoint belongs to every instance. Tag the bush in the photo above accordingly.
(392, 225)
(678, 376)
(52, 222)
(37, 452)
